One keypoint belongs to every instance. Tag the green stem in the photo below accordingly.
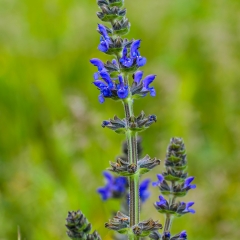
(134, 206)
(169, 217)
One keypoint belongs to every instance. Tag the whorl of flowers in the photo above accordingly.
(121, 79)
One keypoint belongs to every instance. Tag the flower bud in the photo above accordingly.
(144, 228)
(146, 164)
(110, 14)
(119, 223)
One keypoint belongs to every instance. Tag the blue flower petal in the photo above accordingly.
(183, 234)
(96, 76)
(106, 77)
(160, 178)
(188, 181)
(188, 209)
(109, 177)
(104, 192)
(103, 31)
(121, 81)
(144, 185)
(122, 92)
(97, 63)
(152, 91)
(134, 48)
(141, 61)
(148, 80)
(163, 201)
(103, 46)
(138, 76)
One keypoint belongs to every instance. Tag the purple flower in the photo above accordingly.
(183, 235)
(187, 183)
(143, 190)
(162, 201)
(100, 65)
(105, 40)
(146, 82)
(166, 235)
(124, 60)
(134, 56)
(105, 86)
(103, 31)
(134, 53)
(115, 187)
(138, 77)
(122, 89)
(106, 77)
(97, 63)
(104, 90)
(160, 180)
(187, 208)
(134, 48)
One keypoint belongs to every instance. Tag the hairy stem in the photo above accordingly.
(134, 205)
(169, 217)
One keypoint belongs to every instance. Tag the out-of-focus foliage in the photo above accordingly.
(52, 147)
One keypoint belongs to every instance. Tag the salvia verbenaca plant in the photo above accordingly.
(121, 80)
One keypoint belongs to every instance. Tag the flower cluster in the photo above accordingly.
(178, 186)
(79, 227)
(111, 77)
(121, 79)
(135, 124)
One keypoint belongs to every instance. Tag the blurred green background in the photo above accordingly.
(52, 147)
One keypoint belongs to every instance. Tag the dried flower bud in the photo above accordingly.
(144, 228)
(119, 223)
(141, 122)
(115, 124)
(147, 163)
(123, 168)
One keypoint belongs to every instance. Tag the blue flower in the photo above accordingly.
(115, 187)
(160, 180)
(162, 203)
(105, 40)
(146, 82)
(97, 63)
(166, 235)
(122, 89)
(134, 53)
(137, 77)
(124, 60)
(187, 183)
(143, 190)
(104, 90)
(134, 57)
(104, 86)
(183, 234)
(106, 77)
(103, 31)
(187, 207)
(100, 65)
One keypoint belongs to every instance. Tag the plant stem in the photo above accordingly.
(169, 217)
(134, 206)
